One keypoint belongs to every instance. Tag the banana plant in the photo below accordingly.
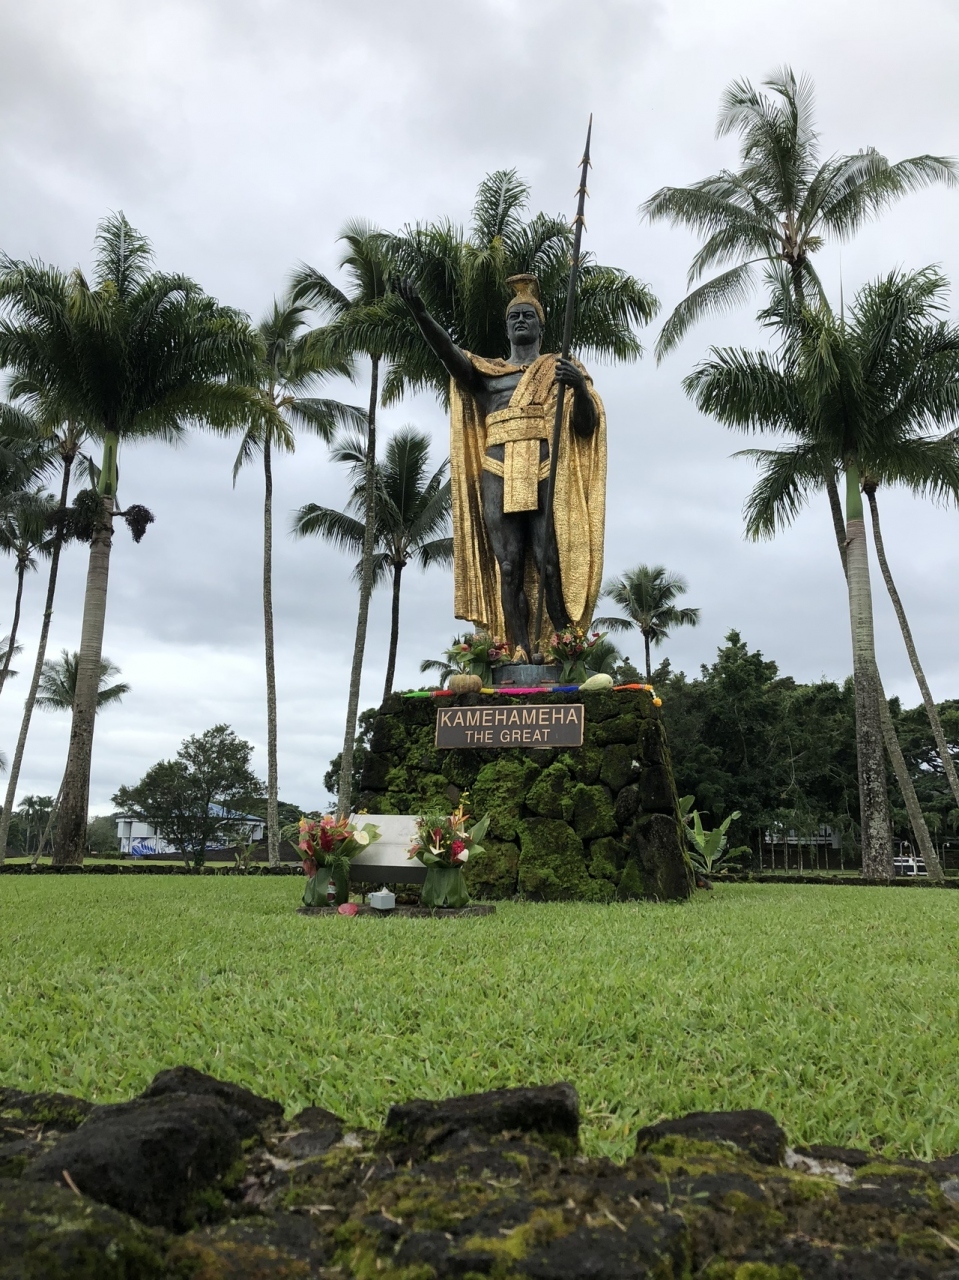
(708, 850)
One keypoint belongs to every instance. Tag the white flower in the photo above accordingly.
(464, 856)
(361, 837)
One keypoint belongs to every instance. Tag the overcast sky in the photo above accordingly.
(239, 135)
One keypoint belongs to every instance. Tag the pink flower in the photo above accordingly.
(457, 847)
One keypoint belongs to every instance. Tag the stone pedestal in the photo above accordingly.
(592, 823)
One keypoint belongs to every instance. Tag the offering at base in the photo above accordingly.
(443, 844)
(328, 845)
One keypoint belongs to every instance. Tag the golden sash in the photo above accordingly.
(519, 428)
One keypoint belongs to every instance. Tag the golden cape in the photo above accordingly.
(579, 509)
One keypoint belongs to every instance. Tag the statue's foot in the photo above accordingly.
(519, 654)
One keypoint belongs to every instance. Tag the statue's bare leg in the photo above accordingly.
(555, 604)
(509, 537)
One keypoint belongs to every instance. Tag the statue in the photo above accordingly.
(501, 421)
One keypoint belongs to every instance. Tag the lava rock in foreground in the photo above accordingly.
(199, 1178)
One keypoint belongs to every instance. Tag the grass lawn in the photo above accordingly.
(835, 1009)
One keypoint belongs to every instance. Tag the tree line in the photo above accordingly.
(856, 399)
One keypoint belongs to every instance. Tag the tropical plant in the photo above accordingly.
(59, 445)
(365, 261)
(57, 689)
(58, 683)
(25, 519)
(330, 843)
(443, 843)
(782, 204)
(203, 793)
(33, 812)
(858, 394)
(646, 594)
(476, 653)
(708, 850)
(292, 365)
(461, 276)
(134, 354)
(945, 756)
(412, 517)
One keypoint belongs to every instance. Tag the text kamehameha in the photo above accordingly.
(506, 726)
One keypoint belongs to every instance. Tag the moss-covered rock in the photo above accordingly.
(592, 812)
(586, 763)
(656, 843)
(607, 857)
(500, 790)
(617, 765)
(618, 778)
(493, 873)
(551, 861)
(49, 1233)
(550, 795)
(630, 882)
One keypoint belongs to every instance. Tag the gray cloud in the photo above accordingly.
(240, 134)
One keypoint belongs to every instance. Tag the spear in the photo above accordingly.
(579, 222)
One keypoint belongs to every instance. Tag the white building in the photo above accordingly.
(140, 838)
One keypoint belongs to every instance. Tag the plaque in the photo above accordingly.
(507, 725)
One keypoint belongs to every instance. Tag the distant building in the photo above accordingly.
(140, 839)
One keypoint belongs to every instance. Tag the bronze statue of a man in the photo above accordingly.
(501, 421)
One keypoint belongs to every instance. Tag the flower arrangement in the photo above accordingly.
(478, 653)
(328, 843)
(443, 843)
(572, 648)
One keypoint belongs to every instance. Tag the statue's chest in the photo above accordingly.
(498, 391)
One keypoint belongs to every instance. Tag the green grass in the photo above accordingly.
(835, 1009)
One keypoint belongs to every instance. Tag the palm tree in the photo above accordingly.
(58, 444)
(24, 534)
(782, 204)
(462, 278)
(646, 595)
(292, 364)
(135, 354)
(58, 687)
(942, 746)
(366, 262)
(412, 517)
(858, 396)
(780, 207)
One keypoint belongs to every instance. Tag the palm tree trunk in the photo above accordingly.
(345, 789)
(838, 523)
(941, 745)
(49, 827)
(394, 631)
(71, 829)
(913, 808)
(916, 819)
(38, 665)
(649, 664)
(873, 799)
(21, 574)
(272, 782)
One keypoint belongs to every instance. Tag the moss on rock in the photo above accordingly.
(500, 790)
(551, 862)
(493, 873)
(617, 765)
(549, 796)
(592, 812)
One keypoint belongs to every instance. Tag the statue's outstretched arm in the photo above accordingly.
(439, 341)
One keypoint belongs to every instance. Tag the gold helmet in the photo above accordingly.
(526, 289)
